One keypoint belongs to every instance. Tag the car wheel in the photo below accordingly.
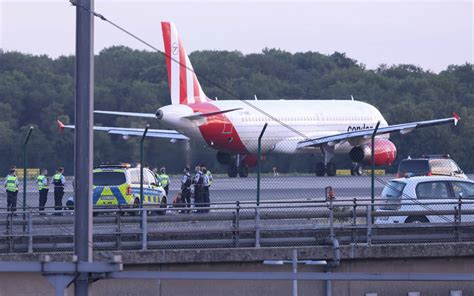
(417, 219)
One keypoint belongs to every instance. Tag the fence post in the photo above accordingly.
(30, 233)
(237, 225)
(144, 229)
(369, 225)
(257, 227)
(354, 220)
(119, 229)
(259, 161)
(372, 174)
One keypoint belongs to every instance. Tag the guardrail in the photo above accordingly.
(233, 225)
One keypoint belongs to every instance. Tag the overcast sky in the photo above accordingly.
(432, 35)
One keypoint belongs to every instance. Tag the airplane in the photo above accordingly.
(232, 127)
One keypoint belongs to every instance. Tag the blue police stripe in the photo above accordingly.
(96, 194)
(118, 195)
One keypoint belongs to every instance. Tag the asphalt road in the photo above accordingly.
(223, 189)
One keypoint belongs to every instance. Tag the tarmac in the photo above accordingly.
(230, 190)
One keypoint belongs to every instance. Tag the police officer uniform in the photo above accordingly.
(164, 180)
(186, 189)
(197, 180)
(58, 181)
(11, 186)
(43, 189)
(205, 190)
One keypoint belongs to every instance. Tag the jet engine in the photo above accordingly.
(385, 152)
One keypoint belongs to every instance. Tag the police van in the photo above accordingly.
(119, 185)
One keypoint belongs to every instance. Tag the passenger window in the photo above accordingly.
(432, 190)
(135, 177)
(463, 188)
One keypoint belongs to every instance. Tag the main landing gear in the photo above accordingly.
(235, 164)
(326, 167)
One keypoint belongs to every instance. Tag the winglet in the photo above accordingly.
(60, 125)
(456, 118)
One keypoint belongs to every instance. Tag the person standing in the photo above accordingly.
(186, 189)
(43, 189)
(205, 189)
(197, 181)
(58, 181)
(164, 180)
(11, 186)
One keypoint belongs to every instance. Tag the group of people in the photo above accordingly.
(201, 181)
(58, 181)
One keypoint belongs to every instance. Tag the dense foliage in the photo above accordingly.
(37, 90)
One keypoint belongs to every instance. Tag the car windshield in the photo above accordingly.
(415, 167)
(392, 195)
(108, 178)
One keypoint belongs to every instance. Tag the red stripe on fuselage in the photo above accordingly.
(182, 75)
(166, 28)
(219, 132)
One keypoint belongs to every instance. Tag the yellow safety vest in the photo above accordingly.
(11, 183)
(164, 179)
(40, 182)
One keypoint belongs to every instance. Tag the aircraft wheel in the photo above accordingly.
(331, 169)
(320, 169)
(243, 171)
(232, 171)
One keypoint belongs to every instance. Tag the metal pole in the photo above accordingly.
(295, 271)
(25, 165)
(141, 164)
(259, 165)
(83, 155)
(372, 186)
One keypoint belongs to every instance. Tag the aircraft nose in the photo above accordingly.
(159, 114)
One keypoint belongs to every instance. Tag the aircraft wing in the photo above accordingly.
(156, 133)
(200, 115)
(133, 114)
(365, 135)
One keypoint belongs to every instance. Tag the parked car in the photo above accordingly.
(426, 193)
(430, 165)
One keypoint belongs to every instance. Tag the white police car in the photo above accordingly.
(426, 194)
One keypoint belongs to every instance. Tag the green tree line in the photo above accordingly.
(37, 90)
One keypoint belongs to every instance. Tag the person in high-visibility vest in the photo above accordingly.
(164, 180)
(58, 181)
(43, 189)
(11, 186)
(205, 189)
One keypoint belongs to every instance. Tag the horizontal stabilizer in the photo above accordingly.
(124, 131)
(133, 114)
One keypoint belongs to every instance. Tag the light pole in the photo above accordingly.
(25, 165)
(141, 164)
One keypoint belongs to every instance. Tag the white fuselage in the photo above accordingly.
(289, 122)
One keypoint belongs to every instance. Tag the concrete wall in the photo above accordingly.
(35, 284)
